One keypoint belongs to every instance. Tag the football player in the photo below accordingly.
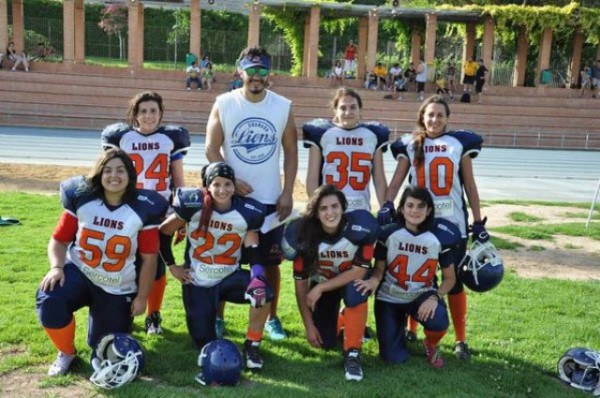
(219, 223)
(346, 153)
(330, 250)
(106, 221)
(441, 161)
(407, 257)
(157, 152)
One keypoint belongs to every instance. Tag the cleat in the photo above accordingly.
(220, 328)
(275, 330)
(368, 335)
(153, 323)
(411, 336)
(461, 350)
(252, 356)
(61, 365)
(352, 365)
(433, 356)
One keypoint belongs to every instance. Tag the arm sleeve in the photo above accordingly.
(66, 230)
(148, 241)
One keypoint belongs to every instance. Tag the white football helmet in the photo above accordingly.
(117, 360)
(580, 368)
(482, 268)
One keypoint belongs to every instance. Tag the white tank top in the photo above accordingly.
(252, 134)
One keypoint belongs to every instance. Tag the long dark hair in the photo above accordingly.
(134, 106)
(421, 194)
(420, 131)
(94, 178)
(310, 231)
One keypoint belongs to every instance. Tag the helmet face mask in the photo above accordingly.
(117, 359)
(580, 368)
(221, 363)
(482, 268)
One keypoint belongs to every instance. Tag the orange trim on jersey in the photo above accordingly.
(64, 338)
(66, 230)
(413, 324)
(149, 241)
(299, 265)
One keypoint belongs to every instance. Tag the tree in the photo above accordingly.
(114, 22)
(180, 32)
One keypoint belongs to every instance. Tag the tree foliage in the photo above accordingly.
(114, 22)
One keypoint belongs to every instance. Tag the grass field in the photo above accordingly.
(518, 332)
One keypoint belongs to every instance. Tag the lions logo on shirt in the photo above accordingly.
(254, 140)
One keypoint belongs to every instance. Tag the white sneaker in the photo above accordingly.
(61, 365)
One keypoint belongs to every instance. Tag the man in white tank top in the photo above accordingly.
(248, 128)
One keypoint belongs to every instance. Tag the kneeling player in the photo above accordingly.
(331, 249)
(407, 256)
(218, 224)
(92, 255)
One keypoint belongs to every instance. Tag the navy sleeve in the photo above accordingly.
(382, 132)
(289, 243)
(313, 131)
(362, 228)
(111, 135)
(187, 201)
(181, 140)
(71, 191)
(399, 149)
(447, 233)
(470, 141)
(253, 212)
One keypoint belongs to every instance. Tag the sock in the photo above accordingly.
(413, 324)
(274, 277)
(155, 299)
(432, 338)
(458, 310)
(64, 338)
(341, 320)
(254, 335)
(354, 330)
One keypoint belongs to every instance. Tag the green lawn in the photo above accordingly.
(518, 332)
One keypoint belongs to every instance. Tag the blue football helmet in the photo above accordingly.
(580, 368)
(117, 359)
(221, 363)
(482, 268)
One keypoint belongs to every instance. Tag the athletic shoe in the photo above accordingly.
(61, 365)
(368, 335)
(153, 323)
(411, 336)
(352, 365)
(275, 329)
(252, 355)
(461, 350)
(220, 328)
(433, 356)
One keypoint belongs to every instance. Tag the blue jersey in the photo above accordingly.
(440, 172)
(412, 259)
(152, 154)
(337, 253)
(106, 242)
(347, 156)
(215, 253)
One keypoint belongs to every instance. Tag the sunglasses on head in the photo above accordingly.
(263, 72)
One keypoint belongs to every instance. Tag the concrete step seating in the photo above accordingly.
(83, 96)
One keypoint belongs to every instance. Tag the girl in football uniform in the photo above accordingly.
(218, 224)
(407, 257)
(92, 255)
(157, 152)
(441, 161)
(331, 248)
(346, 152)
